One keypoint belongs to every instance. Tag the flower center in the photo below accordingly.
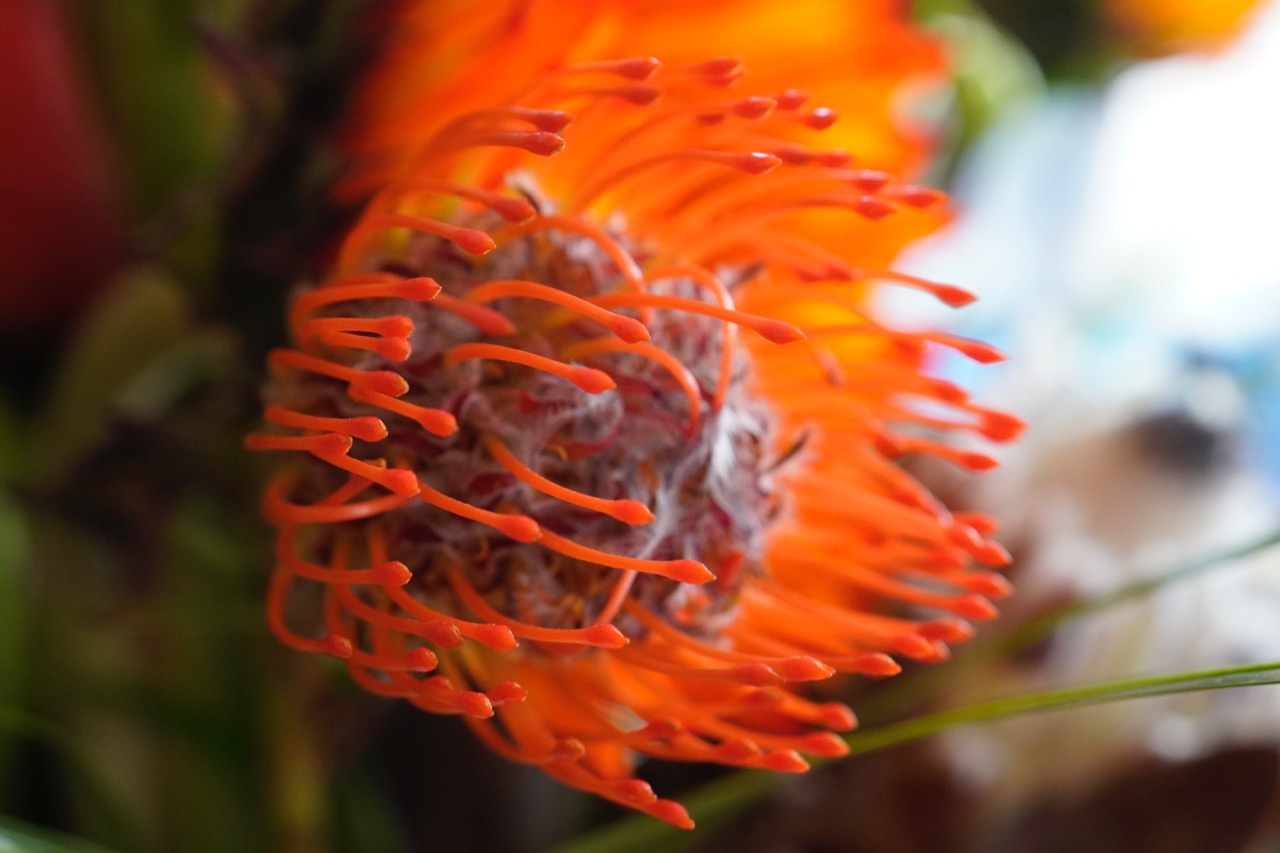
(591, 438)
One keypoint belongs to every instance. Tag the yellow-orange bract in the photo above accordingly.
(590, 415)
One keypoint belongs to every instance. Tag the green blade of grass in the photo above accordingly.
(18, 836)
(116, 825)
(1038, 628)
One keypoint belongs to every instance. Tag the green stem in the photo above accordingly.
(120, 833)
(299, 790)
(1034, 630)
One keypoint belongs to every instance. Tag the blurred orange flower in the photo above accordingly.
(1169, 26)
(605, 434)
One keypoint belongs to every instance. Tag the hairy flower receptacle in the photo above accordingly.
(603, 439)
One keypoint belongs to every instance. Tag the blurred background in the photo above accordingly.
(163, 177)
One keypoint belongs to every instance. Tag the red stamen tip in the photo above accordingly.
(671, 812)
(784, 761)
(988, 584)
(793, 154)
(337, 646)
(921, 197)
(663, 729)
(401, 482)
(635, 790)
(629, 329)
(837, 716)
(946, 630)
(552, 121)
(833, 158)
(756, 674)
(778, 332)
(393, 574)
(876, 665)
(792, 99)
(443, 634)
(825, 745)
(963, 535)
(688, 571)
(873, 208)
(956, 297)
(421, 660)
(497, 637)
(973, 607)
(509, 693)
(870, 180)
(820, 118)
(420, 289)
(591, 380)
(998, 426)
(331, 444)
(984, 524)
(803, 669)
(382, 382)
(605, 637)
(631, 512)
(977, 350)
(367, 428)
(909, 345)
(763, 698)
(438, 422)
(722, 70)
(569, 749)
(521, 528)
(513, 209)
(636, 67)
(641, 96)
(542, 143)
(754, 108)
(739, 751)
(993, 554)
(948, 392)
(394, 326)
(474, 704)
(915, 646)
(756, 162)
(473, 242)
(977, 461)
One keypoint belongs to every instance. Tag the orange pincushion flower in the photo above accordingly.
(592, 446)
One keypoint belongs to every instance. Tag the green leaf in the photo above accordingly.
(143, 316)
(69, 748)
(17, 837)
(14, 555)
(166, 118)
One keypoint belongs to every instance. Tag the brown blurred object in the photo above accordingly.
(61, 225)
(1216, 804)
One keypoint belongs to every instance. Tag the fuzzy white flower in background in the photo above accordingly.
(1129, 255)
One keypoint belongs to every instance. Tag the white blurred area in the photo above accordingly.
(1126, 245)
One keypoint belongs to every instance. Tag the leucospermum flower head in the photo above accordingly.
(589, 443)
